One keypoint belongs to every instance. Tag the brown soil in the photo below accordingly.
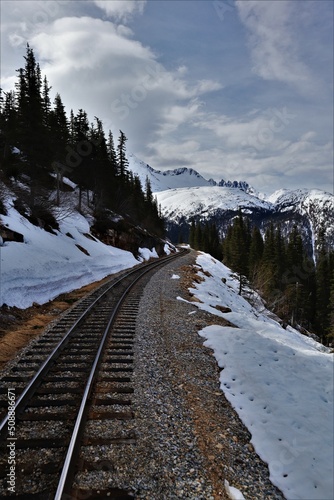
(19, 326)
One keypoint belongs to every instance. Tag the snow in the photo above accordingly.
(279, 382)
(232, 492)
(168, 179)
(46, 265)
(147, 254)
(282, 196)
(185, 202)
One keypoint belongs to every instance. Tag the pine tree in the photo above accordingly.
(32, 133)
(269, 285)
(255, 252)
(192, 234)
(322, 287)
(83, 171)
(237, 248)
(121, 156)
(46, 102)
(330, 334)
(8, 132)
(112, 153)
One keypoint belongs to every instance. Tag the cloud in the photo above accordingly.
(98, 65)
(84, 42)
(259, 130)
(121, 10)
(273, 43)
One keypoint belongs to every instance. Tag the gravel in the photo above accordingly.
(189, 440)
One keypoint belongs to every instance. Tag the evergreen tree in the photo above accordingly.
(32, 132)
(148, 193)
(112, 153)
(46, 102)
(322, 287)
(8, 132)
(330, 334)
(83, 171)
(236, 249)
(255, 252)
(269, 275)
(192, 234)
(121, 156)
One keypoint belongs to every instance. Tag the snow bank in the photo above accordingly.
(147, 254)
(279, 382)
(46, 265)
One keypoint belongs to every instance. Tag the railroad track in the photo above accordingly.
(53, 400)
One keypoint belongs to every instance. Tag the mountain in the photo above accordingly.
(179, 178)
(168, 179)
(312, 208)
(184, 195)
(204, 202)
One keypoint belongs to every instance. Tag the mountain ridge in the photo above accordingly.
(184, 196)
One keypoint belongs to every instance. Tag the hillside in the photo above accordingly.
(311, 211)
(279, 382)
(41, 264)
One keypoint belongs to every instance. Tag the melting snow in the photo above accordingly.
(46, 265)
(280, 383)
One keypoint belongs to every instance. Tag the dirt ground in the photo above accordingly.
(19, 326)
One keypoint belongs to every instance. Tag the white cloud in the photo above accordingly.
(258, 131)
(273, 43)
(121, 10)
(99, 66)
(83, 42)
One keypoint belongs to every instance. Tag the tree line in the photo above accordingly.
(298, 288)
(40, 142)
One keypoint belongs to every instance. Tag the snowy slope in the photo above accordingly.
(46, 265)
(279, 382)
(168, 179)
(204, 201)
(305, 201)
(314, 205)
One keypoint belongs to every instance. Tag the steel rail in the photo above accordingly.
(66, 477)
(46, 365)
(33, 384)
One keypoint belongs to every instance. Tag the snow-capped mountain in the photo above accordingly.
(310, 210)
(178, 178)
(202, 202)
(184, 195)
(168, 179)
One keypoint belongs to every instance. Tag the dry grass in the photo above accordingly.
(19, 326)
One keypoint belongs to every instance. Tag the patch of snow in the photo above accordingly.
(279, 382)
(232, 492)
(147, 254)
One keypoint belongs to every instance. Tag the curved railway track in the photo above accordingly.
(76, 375)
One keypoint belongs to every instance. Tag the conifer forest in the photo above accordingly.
(41, 144)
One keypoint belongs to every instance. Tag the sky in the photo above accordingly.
(235, 89)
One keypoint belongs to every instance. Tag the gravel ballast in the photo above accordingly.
(189, 440)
